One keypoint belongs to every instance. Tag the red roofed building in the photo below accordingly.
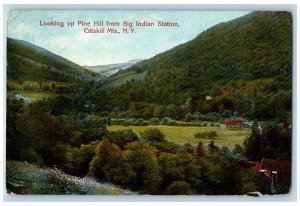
(279, 169)
(255, 166)
(274, 173)
(233, 123)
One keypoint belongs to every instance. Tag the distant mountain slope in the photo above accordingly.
(26, 61)
(110, 69)
(255, 46)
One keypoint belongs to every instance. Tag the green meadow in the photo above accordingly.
(184, 134)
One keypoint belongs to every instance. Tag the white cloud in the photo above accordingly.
(21, 29)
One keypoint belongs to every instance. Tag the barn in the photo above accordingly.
(233, 123)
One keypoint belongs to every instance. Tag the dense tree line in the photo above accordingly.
(148, 164)
(270, 141)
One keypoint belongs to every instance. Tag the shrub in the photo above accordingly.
(154, 121)
(153, 135)
(178, 188)
(165, 120)
(172, 123)
(139, 122)
(126, 123)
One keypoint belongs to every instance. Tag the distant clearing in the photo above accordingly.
(180, 135)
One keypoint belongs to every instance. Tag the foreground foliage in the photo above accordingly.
(25, 178)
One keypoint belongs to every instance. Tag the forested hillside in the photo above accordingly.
(239, 64)
(26, 61)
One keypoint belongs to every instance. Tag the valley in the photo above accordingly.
(174, 124)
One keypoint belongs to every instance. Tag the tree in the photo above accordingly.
(253, 144)
(122, 137)
(78, 159)
(142, 158)
(106, 153)
(37, 129)
(199, 154)
(14, 142)
(250, 181)
(212, 148)
(170, 169)
(120, 172)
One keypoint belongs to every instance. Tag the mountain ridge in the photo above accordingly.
(22, 69)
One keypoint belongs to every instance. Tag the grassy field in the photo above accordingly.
(32, 96)
(185, 134)
(19, 85)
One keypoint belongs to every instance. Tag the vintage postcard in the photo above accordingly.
(121, 102)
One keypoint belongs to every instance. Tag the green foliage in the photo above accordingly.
(29, 62)
(154, 121)
(165, 120)
(153, 135)
(242, 67)
(106, 152)
(272, 142)
(139, 122)
(122, 137)
(169, 169)
(178, 188)
(250, 181)
(76, 132)
(237, 66)
(78, 159)
(121, 173)
(143, 161)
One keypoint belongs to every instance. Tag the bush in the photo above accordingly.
(154, 121)
(138, 122)
(122, 137)
(178, 188)
(172, 123)
(153, 135)
(189, 117)
(206, 135)
(126, 123)
(165, 120)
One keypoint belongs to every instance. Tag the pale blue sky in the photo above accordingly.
(94, 49)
